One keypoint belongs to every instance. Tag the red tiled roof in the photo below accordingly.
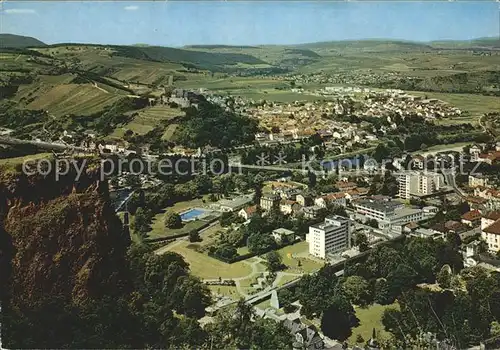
(333, 196)
(477, 200)
(472, 215)
(493, 228)
(251, 210)
(342, 184)
(492, 215)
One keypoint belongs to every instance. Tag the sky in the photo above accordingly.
(179, 23)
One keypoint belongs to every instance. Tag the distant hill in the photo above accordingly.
(19, 41)
(488, 42)
(367, 45)
(191, 58)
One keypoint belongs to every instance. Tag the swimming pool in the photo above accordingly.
(193, 213)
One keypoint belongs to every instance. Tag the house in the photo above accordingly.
(337, 198)
(304, 200)
(478, 180)
(279, 233)
(430, 210)
(454, 226)
(490, 158)
(418, 162)
(471, 218)
(476, 202)
(268, 202)
(248, 212)
(345, 186)
(491, 234)
(306, 337)
(232, 205)
(311, 212)
(474, 152)
(287, 206)
(427, 233)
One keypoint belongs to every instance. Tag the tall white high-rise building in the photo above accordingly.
(413, 183)
(331, 236)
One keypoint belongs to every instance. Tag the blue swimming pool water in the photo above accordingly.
(192, 214)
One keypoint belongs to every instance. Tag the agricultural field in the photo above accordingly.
(476, 105)
(73, 99)
(148, 119)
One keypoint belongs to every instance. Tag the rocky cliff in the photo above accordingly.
(59, 238)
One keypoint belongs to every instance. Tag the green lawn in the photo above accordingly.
(369, 318)
(243, 250)
(307, 265)
(229, 291)
(158, 228)
(285, 279)
(205, 267)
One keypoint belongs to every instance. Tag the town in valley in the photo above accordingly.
(340, 194)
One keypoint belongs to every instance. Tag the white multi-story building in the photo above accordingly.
(413, 183)
(490, 230)
(390, 215)
(331, 236)
(478, 180)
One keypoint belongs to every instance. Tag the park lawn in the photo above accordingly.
(206, 267)
(248, 282)
(210, 235)
(243, 250)
(369, 318)
(445, 147)
(286, 278)
(228, 291)
(308, 265)
(263, 305)
(158, 228)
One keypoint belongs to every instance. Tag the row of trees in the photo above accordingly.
(464, 315)
(212, 125)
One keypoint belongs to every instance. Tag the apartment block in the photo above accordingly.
(330, 237)
(412, 183)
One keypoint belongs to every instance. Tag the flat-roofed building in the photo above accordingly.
(414, 183)
(389, 214)
(329, 237)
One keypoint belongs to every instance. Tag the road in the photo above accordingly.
(449, 177)
(42, 144)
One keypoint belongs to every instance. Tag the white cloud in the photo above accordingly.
(131, 8)
(19, 11)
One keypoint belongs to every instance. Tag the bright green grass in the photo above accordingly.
(205, 267)
(228, 291)
(307, 265)
(285, 279)
(369, 318)
(243, 250)
(158, 228)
